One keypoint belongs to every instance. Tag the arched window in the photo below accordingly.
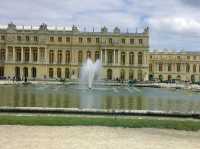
(97, 55)
(131, 75)
(109, 74)
(122, 74)
(140, 77)
(169, 77)
(51, 56)
(140, 57)
(67, 73)
(17, 73)
(34, 72)
(194, 68)
(187, 67)
(110, 56)
(50, 72)
(25, 72)
(193, 78)
(80, 57)
(178, 67)
(131, 58)
(26, 54)
(169, 68)
(67, 57)
(150, 67)
(160, 67)
(123, 58)
(1, 71)
(59, 73)
(59, 56)
(88, 54)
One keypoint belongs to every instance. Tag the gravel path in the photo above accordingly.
(45, 137)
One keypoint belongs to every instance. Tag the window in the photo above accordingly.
(132, 41)
(109, 74)
(51, 39)
(160, 67)
(59, 56)
(35, 55)
(96, 55)
(110, 56)
(67, 57)
(188, 68)
(97, 40)
(19, 38)
(89, 40)
(26, 54)
(67, 39)
(169, 67)
(1, 71)
(178, 67)
(51, 56)
(59, 74)
(150, 67)
(194, 68)
(50, 72)
(2, 55)
(67, 73)
(18, 54)
(110, 40)
(42, 54)
(59, 39)
(35, 38)
(194, 57)
(122, 74)
(27, 38)
(88, 54)
(34, 72)
(123, 41)
(123, 58)
(131, 75)
(140, 57)
(80, 57)
(140, 41)
(2, 37)
(80, 39)
(178, 57)
(188, 57)
(131, 58)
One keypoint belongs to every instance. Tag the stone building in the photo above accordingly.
(52, 53)
(181, 65)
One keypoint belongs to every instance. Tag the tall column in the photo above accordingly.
(105, 57)
(46, 56)
(127, 58)
(30, 55)
(63, 56)
(14, 54)
(136, 58)
(114, 56)
(119, 57)
(22, 58)
(38, 55)
(55, 56)
(6, 58)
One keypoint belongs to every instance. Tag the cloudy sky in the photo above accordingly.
(174, 24)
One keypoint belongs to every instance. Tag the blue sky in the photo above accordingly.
(174, 24)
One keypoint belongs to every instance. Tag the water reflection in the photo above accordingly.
(104, 98)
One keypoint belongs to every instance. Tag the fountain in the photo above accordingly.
(90, 71)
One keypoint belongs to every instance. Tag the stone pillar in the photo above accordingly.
(38, 55)
(63, 56)
(119, 57)
(105, 57)
(6, 58)
(22, 56)
(136, 58)
(14, 54)
(114, 56)
(55, 56)
(30, 55)
(101, 56)
(127, 58)
(46, 56)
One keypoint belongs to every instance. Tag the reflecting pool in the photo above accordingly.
(101, 97)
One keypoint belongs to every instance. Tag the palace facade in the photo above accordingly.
(54, 53)
(183, 66)
(46, 53)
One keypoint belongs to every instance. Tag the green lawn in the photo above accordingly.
(130, 122)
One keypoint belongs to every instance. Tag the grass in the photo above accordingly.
(130, 122)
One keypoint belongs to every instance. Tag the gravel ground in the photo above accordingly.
(79, 137)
